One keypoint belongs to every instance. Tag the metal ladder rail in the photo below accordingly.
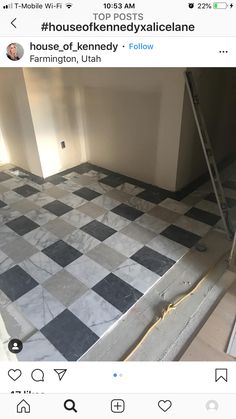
(208, 153)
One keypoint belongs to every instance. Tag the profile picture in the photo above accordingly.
(15, 51)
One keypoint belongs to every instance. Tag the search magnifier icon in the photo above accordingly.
(70, 405)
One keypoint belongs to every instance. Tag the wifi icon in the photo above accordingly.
(69, 5)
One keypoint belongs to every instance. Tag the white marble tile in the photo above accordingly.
(123, 244)
(16, 323)
(40, 238)
(39, 306)
(113, 220)
(152, 223)
(140, 204)
(100, 188)
(13, 183)
(2, 188)
(130, 189)
(84, 180)
(138, 233)
(24, 206)
(10, 197)
(95, 312)
(106, 256)
(6, 215)
(65, 287)
(41, 199)
(136, 275)
(56, 192)
(92, 210)
(76, 218)
(71, 175)
(87, 271)
(69, 185)
(40, 267)
(96, 176)
(41, 216)
(19, 250)
(18, 173)
(166, 247)
(45, 186)
(5, 262)
(106, 202)
(72, 200)
(38, 348)
(194, 226)
(176, 206)
(4, 300)
(81, 241)
(7, 235)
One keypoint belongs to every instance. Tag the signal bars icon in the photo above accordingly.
(69, 5)
(8, 6)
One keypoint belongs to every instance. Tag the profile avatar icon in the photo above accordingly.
(15, 51)
(15, 346)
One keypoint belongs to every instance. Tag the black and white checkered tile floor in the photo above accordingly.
(80, 248)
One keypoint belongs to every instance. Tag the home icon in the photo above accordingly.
(23, 407)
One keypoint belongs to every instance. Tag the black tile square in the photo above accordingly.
(2, 204)
(69, 335)
(152, 260)
(4, 176)
(117, 292)
(16, 282)
(62, 253)
(153, 196)
(22, 225)
(87, 193)
(230, 201)
(203, 216)
(58, 208)
(113, 180)
(181, 236)
(127, 212)
(83, 168)
(26, 190)
(98, 230)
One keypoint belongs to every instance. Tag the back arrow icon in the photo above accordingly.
(12, 22)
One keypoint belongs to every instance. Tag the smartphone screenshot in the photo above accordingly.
(117, 209)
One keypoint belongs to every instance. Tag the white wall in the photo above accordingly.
(126, 120)
(133, 121)
(54, 99)
(16, 123)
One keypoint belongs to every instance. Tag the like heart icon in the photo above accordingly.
(164, 405)
(14, 374)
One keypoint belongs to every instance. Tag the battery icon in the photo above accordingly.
(220, 5)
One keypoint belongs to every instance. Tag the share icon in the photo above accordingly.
(60, 373)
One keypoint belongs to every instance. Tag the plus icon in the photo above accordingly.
(117, 406)
(231, 5)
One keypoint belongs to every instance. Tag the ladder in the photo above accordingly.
(208, 153)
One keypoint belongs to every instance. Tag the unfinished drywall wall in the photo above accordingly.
(55, 107)
(133, 121)
(16, 123)
(217, 93)
(126, 120)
